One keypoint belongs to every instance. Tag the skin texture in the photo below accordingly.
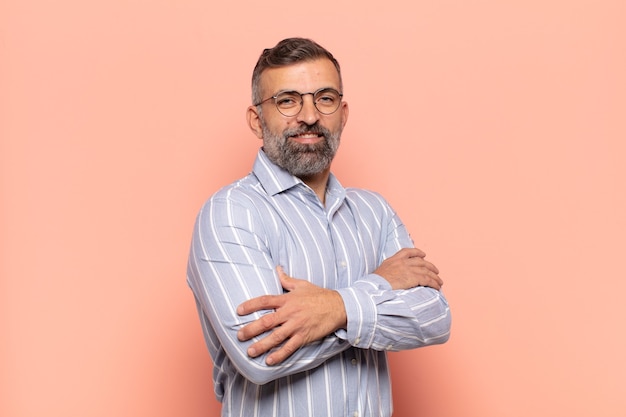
(307, 312)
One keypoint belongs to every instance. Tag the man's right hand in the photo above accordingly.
(408, 269)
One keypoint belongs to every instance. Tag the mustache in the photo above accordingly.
(315, 128)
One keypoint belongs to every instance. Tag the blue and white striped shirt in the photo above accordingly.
(272, 218)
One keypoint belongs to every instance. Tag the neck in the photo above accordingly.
(318, 183)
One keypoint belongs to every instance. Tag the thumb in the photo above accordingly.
(286, 281)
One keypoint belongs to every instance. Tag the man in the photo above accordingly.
(303, 285)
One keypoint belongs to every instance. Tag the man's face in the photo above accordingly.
(304, 144)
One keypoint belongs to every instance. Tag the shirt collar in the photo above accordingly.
(275, 179)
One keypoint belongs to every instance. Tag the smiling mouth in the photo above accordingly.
(307, 137)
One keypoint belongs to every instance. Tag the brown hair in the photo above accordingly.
(287, 52)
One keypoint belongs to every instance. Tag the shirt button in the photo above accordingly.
(353, 362)
(343, 264)
(355, 414)
(357, 340)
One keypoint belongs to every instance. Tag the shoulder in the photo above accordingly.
(365, 196)
(243, 195)
(362, 199)
(242, 191)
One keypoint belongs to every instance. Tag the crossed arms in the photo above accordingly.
(271, 325)
(307, 313)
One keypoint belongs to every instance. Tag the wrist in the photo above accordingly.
(340, 316)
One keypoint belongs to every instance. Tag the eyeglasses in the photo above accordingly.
(289, 103)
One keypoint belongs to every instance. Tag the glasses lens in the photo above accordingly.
(289, 103)
(327, 101)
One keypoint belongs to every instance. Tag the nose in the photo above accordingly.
(308, 114)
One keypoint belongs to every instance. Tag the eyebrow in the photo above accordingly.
(308, 92)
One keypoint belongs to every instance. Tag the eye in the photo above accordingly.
(287, 100)
(328, 97)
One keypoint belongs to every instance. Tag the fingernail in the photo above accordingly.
(251, 351)
(270, 360)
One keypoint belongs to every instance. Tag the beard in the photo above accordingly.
(301, 159)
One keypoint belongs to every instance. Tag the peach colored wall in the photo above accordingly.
(496, 129)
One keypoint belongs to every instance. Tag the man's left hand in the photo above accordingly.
(304, 314)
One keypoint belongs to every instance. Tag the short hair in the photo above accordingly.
(288, 52)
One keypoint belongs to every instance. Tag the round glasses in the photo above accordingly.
(289, 103)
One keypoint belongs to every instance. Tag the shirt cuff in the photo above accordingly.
(361, 310)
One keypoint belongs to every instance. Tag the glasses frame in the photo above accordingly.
(313, 94)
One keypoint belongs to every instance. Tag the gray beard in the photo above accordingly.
(301, 160)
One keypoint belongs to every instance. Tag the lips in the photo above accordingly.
(307, 137)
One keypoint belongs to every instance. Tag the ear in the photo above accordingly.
(254, 121)
(345, 110)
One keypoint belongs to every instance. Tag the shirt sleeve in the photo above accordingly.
(386, 319)
(230, 263)
(381, 318)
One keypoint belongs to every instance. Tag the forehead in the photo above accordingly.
(306, 76)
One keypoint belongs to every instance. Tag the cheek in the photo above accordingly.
(335, 125)
(278, 125)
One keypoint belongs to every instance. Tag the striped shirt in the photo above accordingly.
(272, 218)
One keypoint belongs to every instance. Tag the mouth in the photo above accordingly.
(307, 137)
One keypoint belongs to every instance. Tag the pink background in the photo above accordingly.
(495, 128)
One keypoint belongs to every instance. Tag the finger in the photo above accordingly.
(280, 271)
(286, 281)
(264, 302)
(423, 263)
(434, 280)
(435, 284)
(423, 277)
(286, 350)
(415, 252)
(259, 326)
(274, 340)
(267, 343)
(410, 253)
